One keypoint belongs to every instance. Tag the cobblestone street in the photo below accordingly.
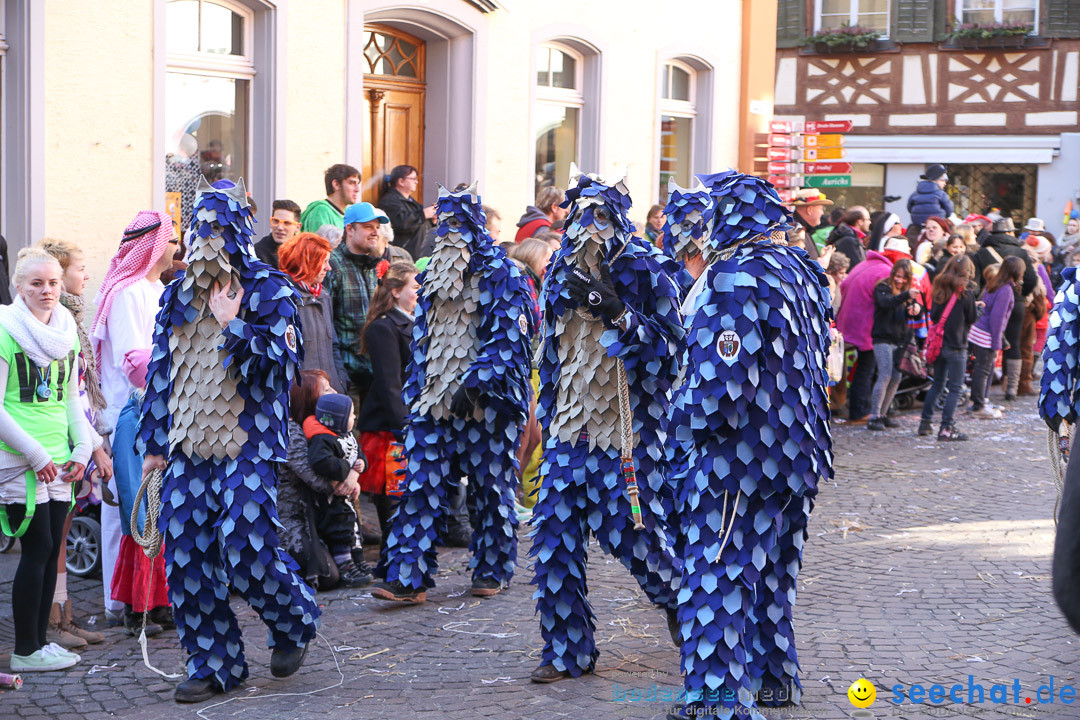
(926, 563)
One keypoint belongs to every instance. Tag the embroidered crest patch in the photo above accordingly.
(523, 323)
(290, 337)
(728, 346)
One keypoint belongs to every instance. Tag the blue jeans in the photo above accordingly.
(888, 379)
(948, 372)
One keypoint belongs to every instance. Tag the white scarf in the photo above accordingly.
(42, 343)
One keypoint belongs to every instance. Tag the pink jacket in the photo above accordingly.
(856, 317)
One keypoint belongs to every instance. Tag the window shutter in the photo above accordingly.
(914, 21)
(1062, 19)
(790, 23)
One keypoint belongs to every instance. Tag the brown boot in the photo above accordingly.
(56, 634)
(68, 624)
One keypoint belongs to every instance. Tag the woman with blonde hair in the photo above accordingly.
(62, 627)
(44, 447)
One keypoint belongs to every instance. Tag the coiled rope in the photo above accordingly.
(150, 542)
(1058, 444)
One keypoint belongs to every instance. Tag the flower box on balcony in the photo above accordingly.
(989, 36)
(844, 40)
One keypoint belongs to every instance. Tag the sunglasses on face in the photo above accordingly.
(278, 222)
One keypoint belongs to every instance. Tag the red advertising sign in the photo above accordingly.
(784, 181)
(786, 195)
(781, 140)
(829, 126)
(781, 154)
(825, 168)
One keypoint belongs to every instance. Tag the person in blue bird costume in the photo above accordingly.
(1059, 402)
(468, 392)
(608, 356)
(686, 232)
(754, 413)
(214, 419)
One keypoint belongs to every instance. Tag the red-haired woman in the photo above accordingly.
(306, 259)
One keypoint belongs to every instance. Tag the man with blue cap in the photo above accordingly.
(352, 282)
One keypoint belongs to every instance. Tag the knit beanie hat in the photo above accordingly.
(333, 411)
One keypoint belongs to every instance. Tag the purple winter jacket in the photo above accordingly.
(856, 317)
(999, 306)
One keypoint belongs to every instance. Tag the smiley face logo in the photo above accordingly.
(862, 693)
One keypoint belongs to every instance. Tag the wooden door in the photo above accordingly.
(394, 104)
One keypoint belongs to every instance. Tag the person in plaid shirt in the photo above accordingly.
(352, 282)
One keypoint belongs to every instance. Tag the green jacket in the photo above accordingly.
(319, 213)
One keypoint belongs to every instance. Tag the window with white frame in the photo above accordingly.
(677, 113)
(560, 102)
(835, 14)
(208, 79)
(986, 12)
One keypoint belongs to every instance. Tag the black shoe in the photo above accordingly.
(926, 427)
(133, 625)
(875, 424)
(486, 587)
(674, 627)
(397, 592)
(1010, 397)
(459, 536)
(548, 674)
(162, 616)
(285, 661)
(889, 422)
(196, 690)
(951, 434)
(352, 576)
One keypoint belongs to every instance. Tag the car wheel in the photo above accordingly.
(84, 546)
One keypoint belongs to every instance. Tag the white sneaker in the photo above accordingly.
(40, 661)
(988, 413)
(60, 651)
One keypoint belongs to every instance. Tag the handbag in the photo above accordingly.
(910, 361)
(936, 336)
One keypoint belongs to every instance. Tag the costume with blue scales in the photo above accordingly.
(468, 392)
(753, 412)
(608, 356)
(216, 409)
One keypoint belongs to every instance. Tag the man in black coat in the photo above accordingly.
(1000, 244)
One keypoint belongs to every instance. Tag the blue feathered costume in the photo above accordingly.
(1059, 398)
(585, 480)
(754, 412)
(685, 230)
(468, 392)
(216, 408)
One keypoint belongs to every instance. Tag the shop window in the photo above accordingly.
(1008, 189)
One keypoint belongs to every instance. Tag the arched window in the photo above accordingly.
(560, 102)
(678, 111)
(208, 81)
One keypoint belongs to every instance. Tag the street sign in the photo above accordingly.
(782, 154)
(822, 141)
(781, 140)
(784, 168)
(827, 181)
(829, 126)
(826, 168)
(784, 181)
(785, 126)
(786, 195)
(828, 153)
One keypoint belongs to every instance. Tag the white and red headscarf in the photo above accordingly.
(145, 241)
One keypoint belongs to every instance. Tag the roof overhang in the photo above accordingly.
(1030, 149)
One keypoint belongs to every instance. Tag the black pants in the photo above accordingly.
(35, 578)
(861, 384)
(1013, 328)
(385, 507)
(336, 524)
